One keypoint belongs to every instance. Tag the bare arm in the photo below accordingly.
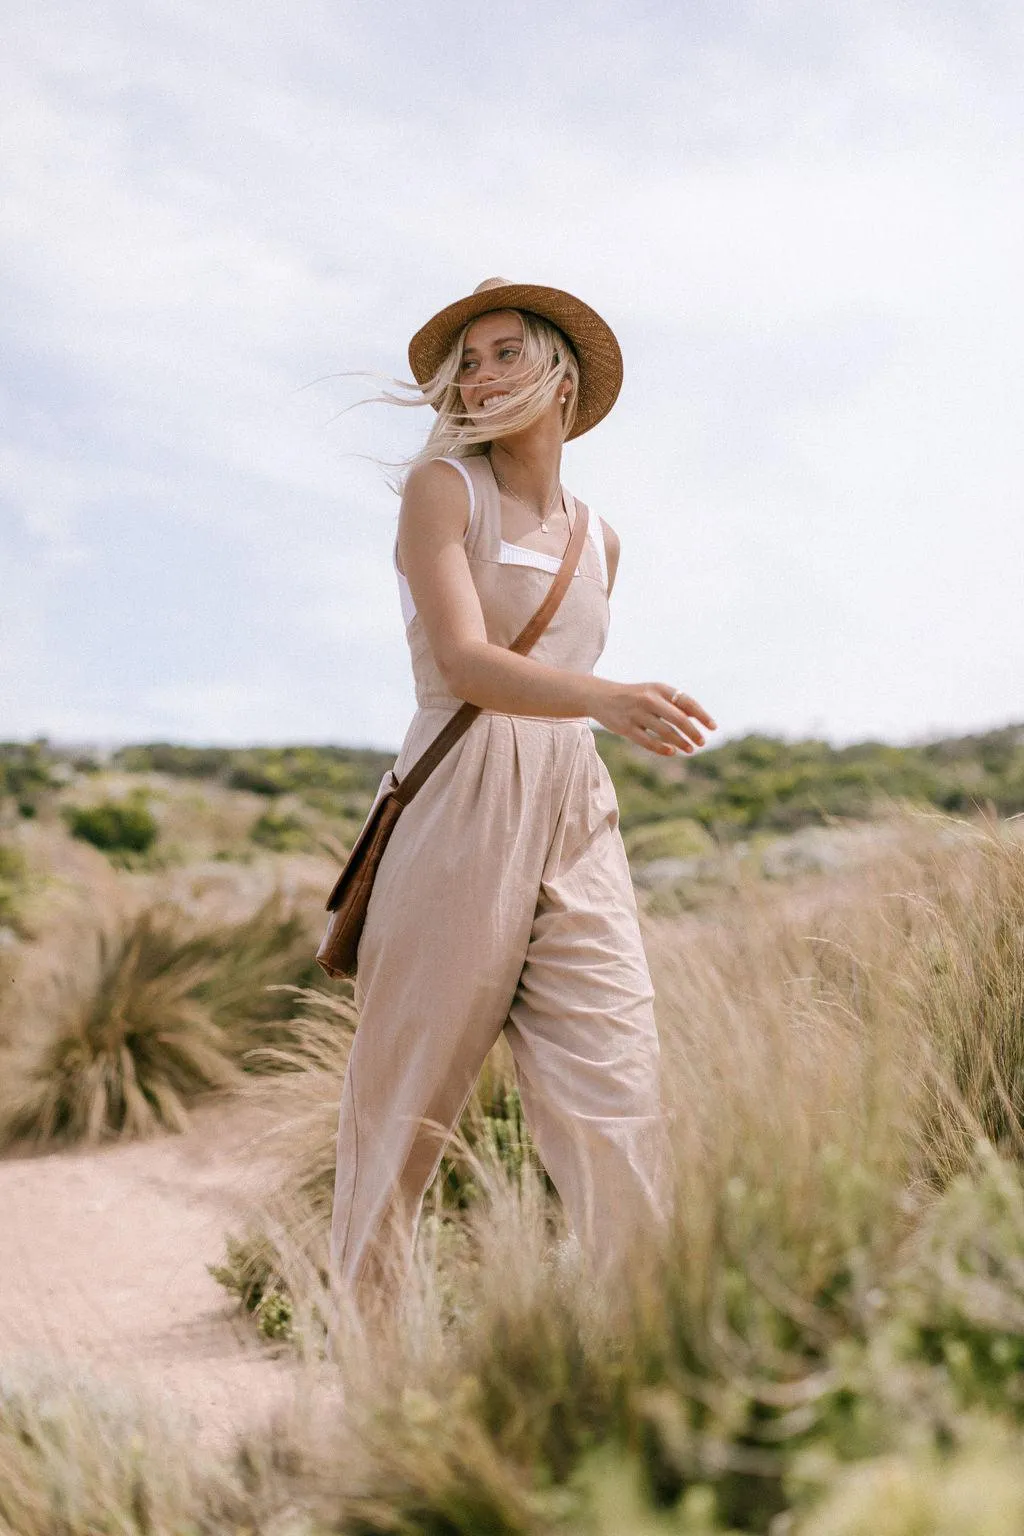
(431, 528)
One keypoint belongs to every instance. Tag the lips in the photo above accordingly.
(493, 399)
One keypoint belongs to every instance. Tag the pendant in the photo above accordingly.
(543, 527)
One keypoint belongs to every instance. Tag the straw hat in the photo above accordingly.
(592, 340)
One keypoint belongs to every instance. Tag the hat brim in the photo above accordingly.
(592, 339)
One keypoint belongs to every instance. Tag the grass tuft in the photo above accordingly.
(157, 1014)
(131, 1044)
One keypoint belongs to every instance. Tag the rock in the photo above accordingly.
(662, 872)
(811, 851)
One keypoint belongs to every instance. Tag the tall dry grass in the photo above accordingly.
(825, 1341)
(832, 1065)
(869, 1020)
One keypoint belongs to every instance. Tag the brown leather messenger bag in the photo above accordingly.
(350, 895)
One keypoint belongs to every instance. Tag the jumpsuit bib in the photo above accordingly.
(503, 902)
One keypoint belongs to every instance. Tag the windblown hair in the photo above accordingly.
(546, 360)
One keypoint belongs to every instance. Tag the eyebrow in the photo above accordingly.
(501, 341)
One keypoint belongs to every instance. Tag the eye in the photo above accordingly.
(467, 363)
(508, 352)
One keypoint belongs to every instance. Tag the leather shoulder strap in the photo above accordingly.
(527, 638)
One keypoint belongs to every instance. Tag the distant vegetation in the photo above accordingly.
(753, 784)
(762, 783)
(339, 779)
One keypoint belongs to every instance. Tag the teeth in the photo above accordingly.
(492, 400)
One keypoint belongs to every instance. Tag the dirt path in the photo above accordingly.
(104, 1264)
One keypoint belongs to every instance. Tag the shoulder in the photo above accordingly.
(434, 477)
(612, 548)
(611, 542)
(437, 490)
(436, 501)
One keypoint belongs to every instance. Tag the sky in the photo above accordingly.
(803, 221)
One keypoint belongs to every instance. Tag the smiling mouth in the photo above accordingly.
(493, 399)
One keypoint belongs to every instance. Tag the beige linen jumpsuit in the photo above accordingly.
(503, 901)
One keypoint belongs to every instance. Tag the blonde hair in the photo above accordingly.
(547, 359)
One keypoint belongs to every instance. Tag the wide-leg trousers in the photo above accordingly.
(503, 902)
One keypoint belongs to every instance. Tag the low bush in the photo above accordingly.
(677, 837)
(13, 887)
(282, 832)
(977, 1490)
(26, 774)
(114, 826)
(960, 1296)
(252, 1271)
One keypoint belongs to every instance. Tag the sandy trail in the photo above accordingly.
(104, 1256)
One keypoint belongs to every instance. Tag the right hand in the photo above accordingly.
(644, 713)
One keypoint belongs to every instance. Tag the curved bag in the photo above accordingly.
(350, 894)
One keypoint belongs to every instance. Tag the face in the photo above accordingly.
(490, 368)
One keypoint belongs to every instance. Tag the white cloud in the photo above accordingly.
(803, 223)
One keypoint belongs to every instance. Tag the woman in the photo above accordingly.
(503, 901)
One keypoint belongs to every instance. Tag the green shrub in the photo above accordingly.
(493, 1132)
(960, 1298)
(13, 887)
(281, 831)
(975, 1491)
(26, 773)
(252, 1272)
(115, 826)
(677, 837)
(255, 778)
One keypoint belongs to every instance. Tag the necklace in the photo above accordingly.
(509, 492)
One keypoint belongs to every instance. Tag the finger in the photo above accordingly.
(656, 714)
(671, 740)
(649, 741)
(680, 723)
(659, 748)
(684, 701)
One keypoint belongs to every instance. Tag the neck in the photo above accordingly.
(530, 463)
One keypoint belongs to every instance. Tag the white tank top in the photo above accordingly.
(509, 554)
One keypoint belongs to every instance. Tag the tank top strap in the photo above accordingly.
(483, 531)
(483, 536)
